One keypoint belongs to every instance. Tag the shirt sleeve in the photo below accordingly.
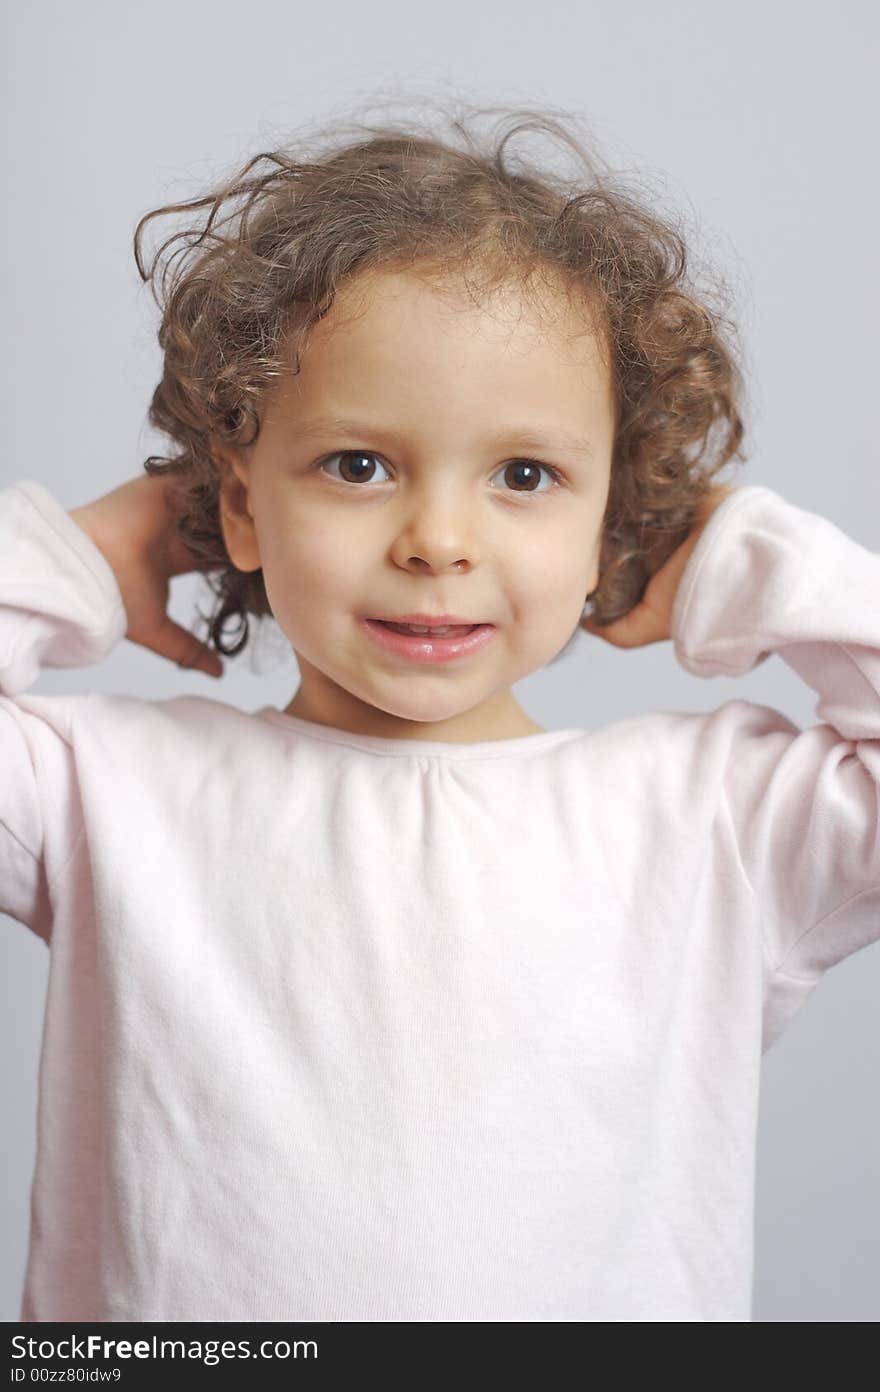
(768, 577)
(60, 606)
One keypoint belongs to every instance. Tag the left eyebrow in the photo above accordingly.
(515, 437)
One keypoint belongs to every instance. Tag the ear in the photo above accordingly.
(236, 518)
(596, 575)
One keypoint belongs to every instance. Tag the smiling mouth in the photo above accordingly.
(423, 644)
(433, 630)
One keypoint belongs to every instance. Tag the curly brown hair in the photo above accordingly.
(238, 311)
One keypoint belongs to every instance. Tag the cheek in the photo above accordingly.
(311, 574)
(551, 574)
(547, 594)
(293, 547)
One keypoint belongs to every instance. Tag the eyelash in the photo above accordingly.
(555, 474)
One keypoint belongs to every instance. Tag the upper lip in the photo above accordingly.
(431, 620)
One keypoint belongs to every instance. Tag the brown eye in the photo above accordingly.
(527, 472)
(524, 475)
(356, 465)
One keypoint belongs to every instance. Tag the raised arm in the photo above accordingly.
(71, 587)
(60, 606)
(770, 577)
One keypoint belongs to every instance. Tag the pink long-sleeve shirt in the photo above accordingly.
(349, 1028)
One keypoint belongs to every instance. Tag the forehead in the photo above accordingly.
(452, 351)
(538, 310)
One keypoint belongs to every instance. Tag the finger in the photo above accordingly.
(633, 630)
(614, 633)
(183, 648)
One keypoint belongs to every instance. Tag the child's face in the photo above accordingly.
(428, 513)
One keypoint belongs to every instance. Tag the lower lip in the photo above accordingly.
(421, 647)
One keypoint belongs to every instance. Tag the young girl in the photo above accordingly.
(393, 1005)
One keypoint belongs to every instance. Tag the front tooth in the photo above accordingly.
(420, 629)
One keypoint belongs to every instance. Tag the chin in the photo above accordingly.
(419, 713)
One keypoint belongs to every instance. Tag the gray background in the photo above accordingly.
(758, 123)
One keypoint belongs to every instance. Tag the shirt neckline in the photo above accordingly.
(519, 745)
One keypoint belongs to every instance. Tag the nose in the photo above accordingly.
(435, 567)
(437, 535)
